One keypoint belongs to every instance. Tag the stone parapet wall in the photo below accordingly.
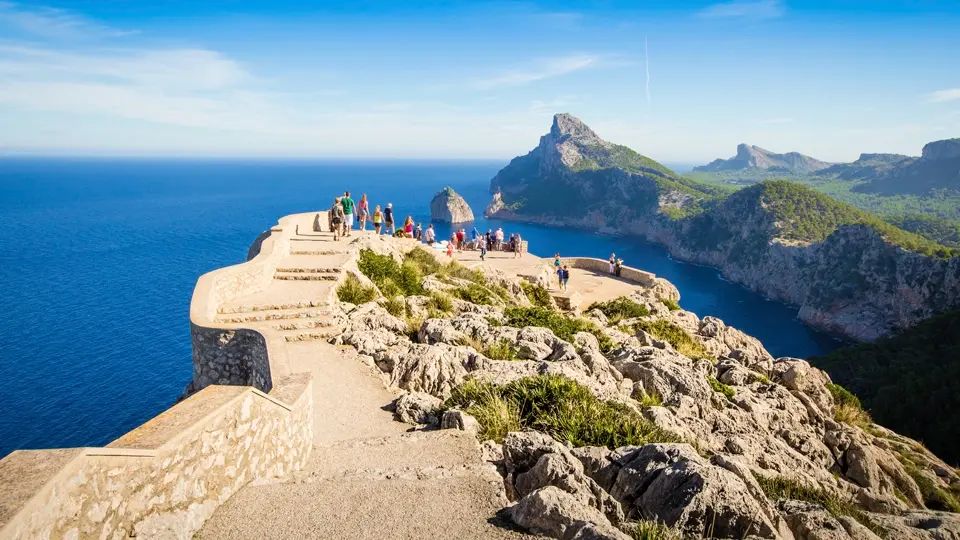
(165, 478)
(229, 356)
(599, 265)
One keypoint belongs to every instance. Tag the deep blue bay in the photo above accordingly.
(99, 258)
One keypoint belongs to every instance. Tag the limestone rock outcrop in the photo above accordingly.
(448, 206)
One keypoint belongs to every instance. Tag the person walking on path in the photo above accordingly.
(483, 250)
(348, 207)
(450, 249)
(388, 219)
(430, 235)
(563, 274)
(517, 247)
(613, 262)
(363, 211)
(377, 218)
(336, 219)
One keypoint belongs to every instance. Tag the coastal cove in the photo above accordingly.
(101, 256)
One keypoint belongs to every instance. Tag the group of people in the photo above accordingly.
(345, 209)
(616, 265)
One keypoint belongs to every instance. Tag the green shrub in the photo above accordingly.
(413, 328)
(456, 270)
(558, 406)
(501, 350)
(651, 530)
(842, 396)
(672, 305)
(620, 308)
(934, 498)
(396, 306)
(847, 408)
(721, 388)
(475, 294)
(563, 327)
(440, 302)
(354, 291)
(391, 278)
(538, 295)
(780, 488)
(649, 399)
(424, 260)
(683, 342)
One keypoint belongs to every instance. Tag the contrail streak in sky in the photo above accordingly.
(646, 56)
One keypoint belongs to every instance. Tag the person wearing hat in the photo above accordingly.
(336, 218)
(388, 219)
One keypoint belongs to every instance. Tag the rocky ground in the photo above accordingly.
(726, 441)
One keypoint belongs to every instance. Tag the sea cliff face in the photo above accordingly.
(449, 207)
(778, 239)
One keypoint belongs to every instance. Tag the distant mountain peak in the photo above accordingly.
(567, 125)
(754, 157)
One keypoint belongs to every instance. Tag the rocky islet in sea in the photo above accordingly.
(448, 206)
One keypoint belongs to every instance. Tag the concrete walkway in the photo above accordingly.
(368, 477)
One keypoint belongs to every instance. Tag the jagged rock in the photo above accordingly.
(372, 316)
(521, 451)
(561, 469)
(434, 369)
(439, 331)
(368, 342)
(551, 511)
(418, 408)
(457, 419)
(449, 207)
(811, 522)
(675, 485)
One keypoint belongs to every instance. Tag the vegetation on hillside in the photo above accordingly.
(909, 382)
(781, 488)
(555, 405)
(561, 326)
(670, 332)
(619, 309)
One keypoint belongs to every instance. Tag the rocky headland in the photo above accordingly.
(754, 157)
(448, 206)
(630, 417)
(849, 272)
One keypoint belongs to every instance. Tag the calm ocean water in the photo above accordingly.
(99, 259)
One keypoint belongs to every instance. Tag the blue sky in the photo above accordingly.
(678, 81)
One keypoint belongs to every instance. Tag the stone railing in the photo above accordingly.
(601, 266)
(223, 354)
(168, 476)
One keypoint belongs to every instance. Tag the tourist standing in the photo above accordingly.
(565, 277)
(418, 232)
(388, 219)
(408, 227)
(348, 207)
(336, 219)
(518, 247)
(460, 235)
(450, 249)
(613, 262)
(489, 239)
(377, 218)
(363, 211)
(476, 238)
(431, 235)
(618, 267)
(499, 239)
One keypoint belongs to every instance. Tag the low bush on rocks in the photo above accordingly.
(391, 278)
(424, 260)
(847, 408)
(413, 328)
(672, 305)
(721, 388)
(396, 306)
(475, 294)
(934, 497)
(537, 294)
(651, 530)
(561, 326)
(781, 488)
(649, 399)
(620, 308)
(352, 290)
(440, 303)
(501, 350)
(675, 336)
(556, 405)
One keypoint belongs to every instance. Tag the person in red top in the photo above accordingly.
(460, 237)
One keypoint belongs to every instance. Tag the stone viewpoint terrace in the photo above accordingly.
(279, 434)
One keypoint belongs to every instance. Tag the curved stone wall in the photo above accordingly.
(601, 266)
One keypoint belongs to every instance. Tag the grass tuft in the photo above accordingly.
(780, 487)
(440, 302)
(847, 408)
(475, 294)
(558, 406)
(413, 328)
(672, 305)
(652, 530)
(721, 388)
(354, 291)
(537, 294)
(501, 350)
(396, 306)
(649, 399)
(563, 327)
(683, 342)
(934, 497)
(620, 308)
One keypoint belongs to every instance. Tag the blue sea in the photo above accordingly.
(98, 259)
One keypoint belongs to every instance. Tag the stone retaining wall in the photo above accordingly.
(225, 356)
(165, 478)
(599, 265)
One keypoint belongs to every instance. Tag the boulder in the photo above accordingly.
(449, 207)
(457, 419)
(418, 408)
(434, 369)
(552, 512)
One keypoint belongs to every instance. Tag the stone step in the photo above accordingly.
(294, 336)
(305, 277)
(304, 324)
(270, 307)
(309, 270)
(277, 315)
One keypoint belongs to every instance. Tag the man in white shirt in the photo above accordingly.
(430, 236)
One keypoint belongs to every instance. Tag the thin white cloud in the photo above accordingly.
(941, 96)
(554, 67)
(52, 22)
(745, 9)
